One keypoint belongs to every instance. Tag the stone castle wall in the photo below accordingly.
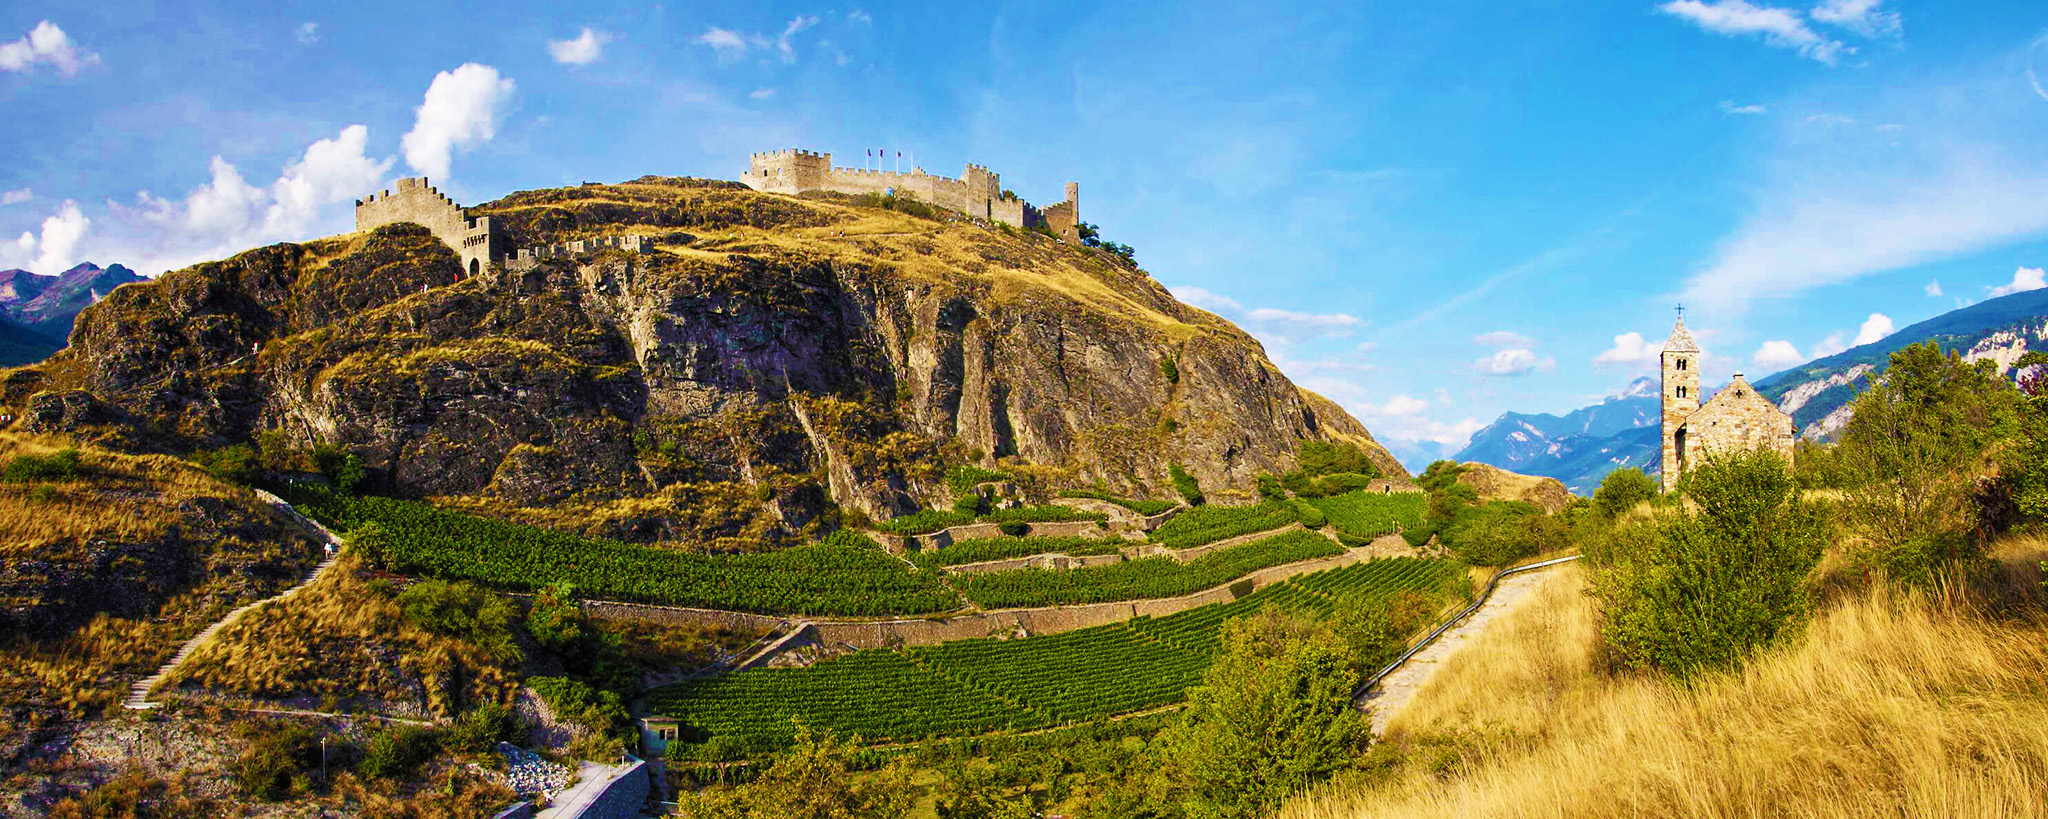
(978, 192)
(477, 242)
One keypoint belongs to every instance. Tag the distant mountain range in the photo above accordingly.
(1579, 447)
(1582, 446)
(36, 311)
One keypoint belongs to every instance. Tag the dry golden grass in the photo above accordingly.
(1891, 704)
(123, 497)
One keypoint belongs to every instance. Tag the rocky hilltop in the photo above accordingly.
(771, 362)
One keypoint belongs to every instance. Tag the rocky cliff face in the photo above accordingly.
(775, 358)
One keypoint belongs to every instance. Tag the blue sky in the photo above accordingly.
(1430, 212)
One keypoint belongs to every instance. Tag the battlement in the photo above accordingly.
(977, 192)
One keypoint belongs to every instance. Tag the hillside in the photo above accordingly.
(1579, 447)
(775, 360)
(1818, 392)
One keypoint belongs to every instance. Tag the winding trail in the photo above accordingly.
(1399, 684)
(138, 694)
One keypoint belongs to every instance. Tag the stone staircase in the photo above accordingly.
(138, 694)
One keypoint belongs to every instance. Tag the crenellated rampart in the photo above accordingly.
(977, 192)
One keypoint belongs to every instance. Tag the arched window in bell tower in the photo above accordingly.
(1681, 392)
(1681, 363)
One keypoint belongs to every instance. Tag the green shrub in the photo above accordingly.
(1270, 488)
(398, 751)
(276, 761)
(962, 479)
(235, 464)
(1418, 536)
(1184, 483)
(61, 465)
(1502, 532)
(1699, 591)
(1324, 458)
(1013, 528)
(1311, 517)
(1168, 368)
(463, 611)
(480, 729)
(1440, 475)
(970, 504)
(598, 710)
(1342, 482)
(1621, 490)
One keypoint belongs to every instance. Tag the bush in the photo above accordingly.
(970, 504)
(275, 764)
(1270, 488)
(1184, 483)
(235, 464)
(480, 729)
(343, 469)
(61, 465)
(1013, 528)
(1323, 458)
(397, 752)
(1311, 517)
(1699, 591)
(1333, 485)
(1621, 490)
(1501, 533)
(462, 611)
(1168, 368)
(962, 479)
(600, 711)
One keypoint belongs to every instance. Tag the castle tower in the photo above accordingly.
(1680, 376)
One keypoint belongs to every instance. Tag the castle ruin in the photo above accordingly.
(477, 242)
(978, 192)
(1736, 418)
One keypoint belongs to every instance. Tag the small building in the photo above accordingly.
(656, 733)
(1736, 418)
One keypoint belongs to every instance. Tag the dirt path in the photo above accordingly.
(1396, 689)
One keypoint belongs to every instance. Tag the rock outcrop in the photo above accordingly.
(1493, 483)
(775, 359)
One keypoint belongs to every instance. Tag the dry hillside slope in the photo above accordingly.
(775, 358)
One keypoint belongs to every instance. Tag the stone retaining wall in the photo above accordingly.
(1185, 555)
(1055, 561)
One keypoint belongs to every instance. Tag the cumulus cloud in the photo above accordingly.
(1401, 405)
(1933, 289)
(1729, 107)
(583, 49)
(1512, 362)
(1860, 16)
(1503, 338)
(1776, 355)
(331, 170)
(16, 196)
(307, 33)
(1831, 345)
(55, 250)
(1630, 351)
(1781, 28)
(2023, 279)
(1876, 327)
(463, 109)
(46, 43)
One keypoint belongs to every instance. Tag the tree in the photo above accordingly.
(1911, 454)
(1698, 591)
(815, 779)
(1621, 490)
(1273, 716)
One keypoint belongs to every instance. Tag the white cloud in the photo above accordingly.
(1829, 346)
(1630, 351)
(1503, 338)
(1776, 355)
(1200, 297)
(1729, 107)
(1830, 120)
(56, 250)
(17, 196)
(1933, 289)
(331, 170)
(2023, 279)
(46, 43)
(1779, 27)
(1876, 327)
(463, 109)
(784, 43)
(726, 42)
(762, 93)
(1320, 320)
(1860, 16)
(307, 33)
(583, 49)
(1512, 362)
(860, 17)
(1400, 405)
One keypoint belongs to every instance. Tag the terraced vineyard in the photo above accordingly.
(847, 574)
(975, 550)
(978, 686)
(1371, 514)
(1140, 579)
(1203, 525)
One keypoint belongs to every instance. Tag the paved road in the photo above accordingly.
(1394, 692)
